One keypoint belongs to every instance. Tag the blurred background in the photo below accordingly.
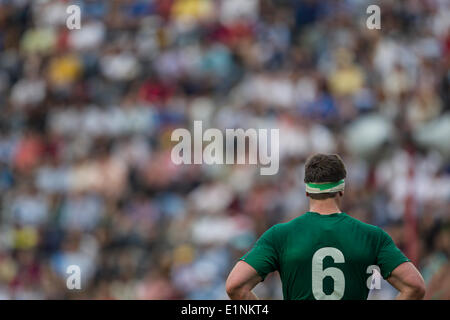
(86, 116)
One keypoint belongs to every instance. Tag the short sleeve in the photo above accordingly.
(263, 257)
(389, 256)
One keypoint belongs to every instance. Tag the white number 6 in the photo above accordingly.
(318, 274)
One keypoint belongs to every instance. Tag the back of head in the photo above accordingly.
(324, 176)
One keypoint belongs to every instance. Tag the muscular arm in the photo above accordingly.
(408, 280)
(241, 281)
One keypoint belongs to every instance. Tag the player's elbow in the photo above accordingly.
(235, 290)
(417, 290)
(408, 280)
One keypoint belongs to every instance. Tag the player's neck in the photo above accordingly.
(328, 206)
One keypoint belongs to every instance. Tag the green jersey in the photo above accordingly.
(324, 256)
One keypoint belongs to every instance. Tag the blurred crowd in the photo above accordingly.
(86, 116)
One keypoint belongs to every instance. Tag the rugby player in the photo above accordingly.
(324, 254)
